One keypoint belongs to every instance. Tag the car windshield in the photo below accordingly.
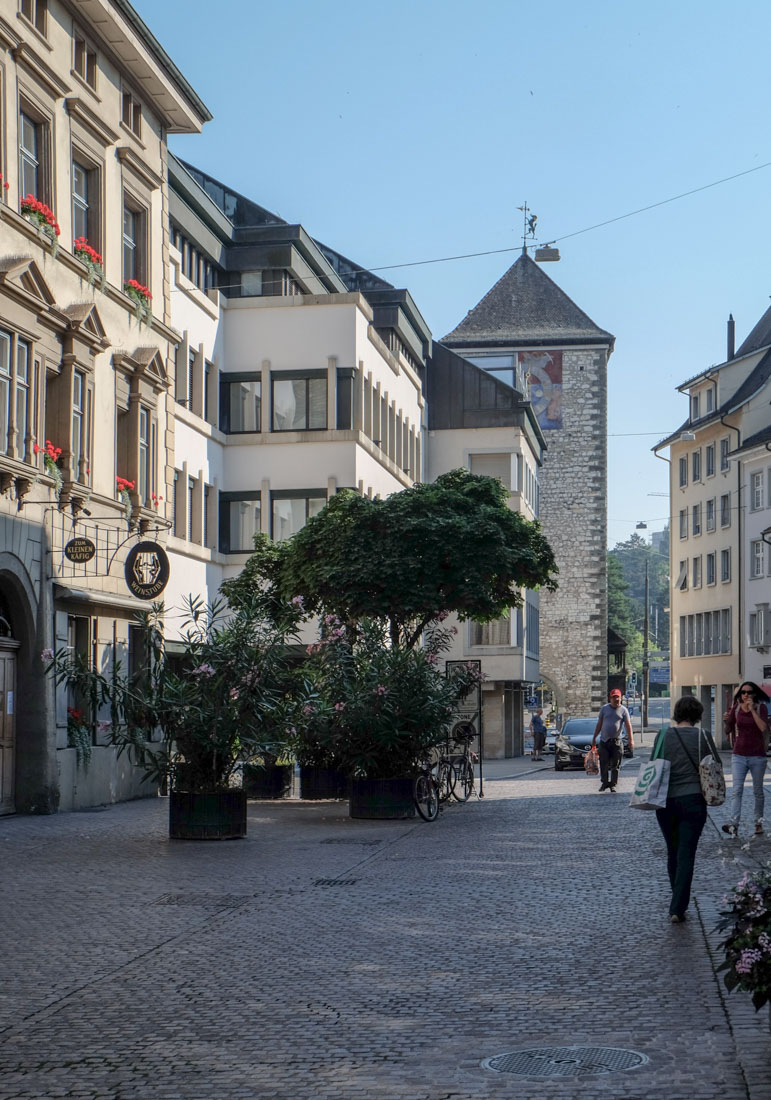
(579, 727)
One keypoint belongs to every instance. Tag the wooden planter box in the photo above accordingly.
(318, 783)
(382, 799)
(209, 815)
(271, 781)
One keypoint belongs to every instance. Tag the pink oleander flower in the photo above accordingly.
(233, 693)
(298, 601)
(104, 726)
(339, 706)
(202, 670)
(47, 655)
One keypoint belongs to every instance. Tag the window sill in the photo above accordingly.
(38, 34)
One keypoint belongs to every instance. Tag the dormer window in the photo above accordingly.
(710, 399)
(695, 406)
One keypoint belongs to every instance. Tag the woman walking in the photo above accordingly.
(685, 814)
(746, 723)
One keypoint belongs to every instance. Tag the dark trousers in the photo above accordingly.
(681, 823)
(610, 759)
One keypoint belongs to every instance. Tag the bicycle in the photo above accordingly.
(463, 762)
(425, 792)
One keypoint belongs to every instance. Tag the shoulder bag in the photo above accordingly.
(650, 790)
(710, 771)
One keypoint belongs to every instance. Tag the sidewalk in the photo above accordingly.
(330, 959)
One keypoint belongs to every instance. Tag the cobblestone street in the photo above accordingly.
(330, 958)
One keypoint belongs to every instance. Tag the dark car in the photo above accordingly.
(574, 741)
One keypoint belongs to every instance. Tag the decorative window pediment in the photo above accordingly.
(84, 319)
(21, 276)
(144, 363)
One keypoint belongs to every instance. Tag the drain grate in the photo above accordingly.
(564, 1061)
(334, 881)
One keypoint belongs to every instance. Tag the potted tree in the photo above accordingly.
(191, 725)
(388, 706)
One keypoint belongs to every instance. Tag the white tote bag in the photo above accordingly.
(650, 790)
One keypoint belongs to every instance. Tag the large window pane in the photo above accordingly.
(244, 524)
(79, 201)
(291, 514)
(29, 156)
(129, 245)
(241, 406)
(299, 404)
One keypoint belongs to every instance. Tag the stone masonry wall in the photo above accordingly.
(573, 482)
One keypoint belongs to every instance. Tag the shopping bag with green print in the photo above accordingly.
(650, 790)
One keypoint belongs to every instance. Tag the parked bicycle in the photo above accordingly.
(463, 761)
(425, 792)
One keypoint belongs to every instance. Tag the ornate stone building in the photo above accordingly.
(527, 325)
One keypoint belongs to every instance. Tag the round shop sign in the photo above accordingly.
(146, 570)
(79, 549)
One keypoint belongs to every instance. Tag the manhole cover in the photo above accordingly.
(564, 1061)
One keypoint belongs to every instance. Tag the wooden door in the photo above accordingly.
(8, 707)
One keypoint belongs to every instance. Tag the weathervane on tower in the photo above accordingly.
(546, 252)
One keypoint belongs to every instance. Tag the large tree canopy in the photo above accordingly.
(452, 545)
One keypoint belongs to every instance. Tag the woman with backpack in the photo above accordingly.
(746, 724)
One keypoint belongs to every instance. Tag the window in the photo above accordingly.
(707, 633)
(725, 565)
(85, 202)
(251, 284)
(711, 515)
(725, 510)
(756, 491)
(176, 508)
(17, 398)
(696, 519)
(757, 556)
(35, 11)
(683, 523)
(498, 465)
(682, 576)
(710, 399)
(344, 395)
(240, 403)
(710, 457)
(291, 511)
(695, 407)
(144, 472)
(756, 628)
(32, 151)
(131, 114)
(82, 427)
(85, 60)
(683, 472)
(132, 245)
(498, 632)
(208, 374)
(206, 506)
(300, 401)
(190, 507)
(711, 568)
(239, 521)
(724, 455)
(696, 466)
(696, 572)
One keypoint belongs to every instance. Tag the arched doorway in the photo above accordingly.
(8, 706)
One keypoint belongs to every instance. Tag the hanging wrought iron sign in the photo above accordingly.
(146, 570)
(80, 549)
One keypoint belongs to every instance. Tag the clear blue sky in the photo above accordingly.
(413, 130)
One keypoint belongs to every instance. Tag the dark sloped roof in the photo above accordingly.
(526, 307)
(760, 337)
(755, 380)
(754, 440)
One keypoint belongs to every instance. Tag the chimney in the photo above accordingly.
(731, 337)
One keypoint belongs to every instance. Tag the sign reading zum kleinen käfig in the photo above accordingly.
(79, 549)
(146, 570)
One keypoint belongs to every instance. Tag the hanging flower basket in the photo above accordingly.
(142, 299)
(125, 489)
(93, 261)
(51, 456)
(43, 217)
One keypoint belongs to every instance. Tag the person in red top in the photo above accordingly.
(746, 723)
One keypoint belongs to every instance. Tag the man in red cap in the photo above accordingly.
(611, 722)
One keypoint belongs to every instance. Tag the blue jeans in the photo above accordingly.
(756, 766)
(681, 823)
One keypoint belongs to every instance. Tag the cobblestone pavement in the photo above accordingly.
(336, 959)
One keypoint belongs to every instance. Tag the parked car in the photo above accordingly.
(574, 740)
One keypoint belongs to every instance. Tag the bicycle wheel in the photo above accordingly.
(445, 779)
(464, 780)
(426, 797)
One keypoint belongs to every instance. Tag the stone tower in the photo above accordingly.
(526, 325)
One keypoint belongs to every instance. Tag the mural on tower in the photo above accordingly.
(543, 370)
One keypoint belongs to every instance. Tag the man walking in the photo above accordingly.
(538, 730)
(611, 722)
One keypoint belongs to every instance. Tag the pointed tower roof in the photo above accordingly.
(526, 308)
